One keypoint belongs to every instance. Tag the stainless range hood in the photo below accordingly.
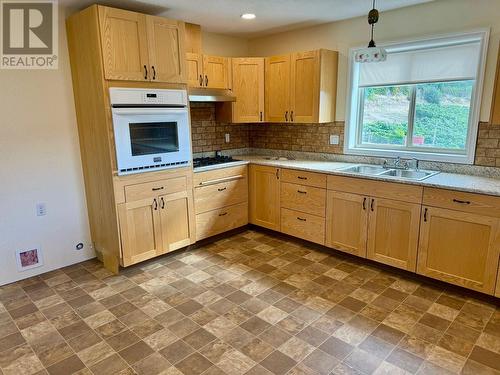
(210, 95)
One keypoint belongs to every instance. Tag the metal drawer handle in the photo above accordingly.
(158, 188)
(155, 204)
(301, 192)
(425, 214)
(371, 205)
(145, 72)
(461, 202)
(206, 80)
(286, 116)
(291, 116)
(224, 214)
(223, 179)
(222, 189)
(201, 80)
(162, 203)
(301, 178)
(364, 203)
(154, 72)
(301, 219)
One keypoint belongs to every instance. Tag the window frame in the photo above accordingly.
(355, 98)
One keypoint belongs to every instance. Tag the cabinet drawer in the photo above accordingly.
(155, 188)
(220, 175)
(221, 220)
(302, 225)
(220, 195)
(380, 189)
(467, 202)
(306, 199)
(303, 178)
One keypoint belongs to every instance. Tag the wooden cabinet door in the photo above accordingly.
(393, 228)
(124, 44)
(194, 68)
(459, 247)
(215, 72)
(166, 50)
(140, 230)
(248, 87)
(304, 87)
(347, 222)
(277, 82)
(264, 196)
(177, 220)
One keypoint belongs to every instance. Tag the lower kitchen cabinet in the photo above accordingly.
(393, 228)
(221, 220)
(264, 197)
(140, 230)
(155, 216)
(221, 200)
(461, 248)
(177, 220)
(346, 222)
(306, 226)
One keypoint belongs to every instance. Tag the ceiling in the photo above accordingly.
(223, 16)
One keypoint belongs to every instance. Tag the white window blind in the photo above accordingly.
(424, 64)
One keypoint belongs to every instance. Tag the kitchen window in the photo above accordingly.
(422, 102)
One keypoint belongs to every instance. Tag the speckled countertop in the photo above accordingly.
(452, 181)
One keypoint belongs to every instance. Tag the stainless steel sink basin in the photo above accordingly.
(374, 170)
(409, 174)
(364, 169)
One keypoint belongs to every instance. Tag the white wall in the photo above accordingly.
(434, 18)
(40, 162)
(223, 45)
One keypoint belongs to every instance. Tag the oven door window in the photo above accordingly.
(147, 138)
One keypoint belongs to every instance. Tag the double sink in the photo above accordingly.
(372, 170)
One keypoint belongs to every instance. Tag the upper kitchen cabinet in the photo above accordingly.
(277, 83)
(138, 47)
(166, 49)
(207, 71)
(194, 69)
(248, 87)
(301, 87)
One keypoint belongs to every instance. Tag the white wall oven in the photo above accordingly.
(151, 129)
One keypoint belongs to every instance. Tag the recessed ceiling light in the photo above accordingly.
(248, 16)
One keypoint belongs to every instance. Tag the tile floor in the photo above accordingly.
(249, 304)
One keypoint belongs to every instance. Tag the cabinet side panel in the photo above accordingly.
(91, 107)
(328, 85)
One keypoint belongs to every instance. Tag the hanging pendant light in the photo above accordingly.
(372, 53)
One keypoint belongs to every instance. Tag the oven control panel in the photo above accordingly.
(136, 97)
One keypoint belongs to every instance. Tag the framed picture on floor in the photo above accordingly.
(28, 259)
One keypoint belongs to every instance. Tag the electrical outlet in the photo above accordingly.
(227, 137)
(334, 139)
(41, 209)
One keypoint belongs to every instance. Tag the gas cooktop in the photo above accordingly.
(203, 162)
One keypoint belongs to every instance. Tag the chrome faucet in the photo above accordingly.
(398, 164)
